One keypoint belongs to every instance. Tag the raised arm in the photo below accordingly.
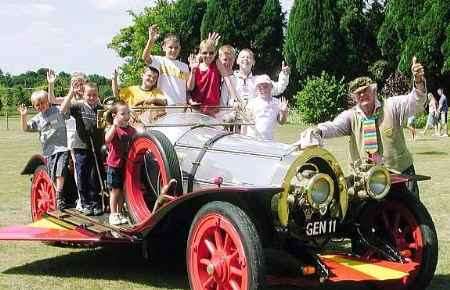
(51, 78)
(153, 34)
(22, 109)
(283, 80)
(283, 115)
(193, 64)
(67, 99)
(340, 126)
(407, 105)
(114, 85)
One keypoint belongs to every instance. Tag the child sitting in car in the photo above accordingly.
(50, 123)
(117, 137)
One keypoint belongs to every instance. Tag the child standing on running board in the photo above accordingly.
(173, 74)
(49, 122)
(118, 138)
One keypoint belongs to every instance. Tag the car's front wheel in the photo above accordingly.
(404, 222)
(224, 249)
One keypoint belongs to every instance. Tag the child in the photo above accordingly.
(118, 137)
(49, 122)
(88, 142)
(265, 110)
(146, 92)
(78, 80)
(244, 81)
(173, 73)
(205, 78)
(227, 56)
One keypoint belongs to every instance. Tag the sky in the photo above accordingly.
(65, 34)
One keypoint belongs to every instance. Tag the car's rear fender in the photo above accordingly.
(34, 162)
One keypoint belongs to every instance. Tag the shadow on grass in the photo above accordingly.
(127, 264)
(111, 263)
(432, 153)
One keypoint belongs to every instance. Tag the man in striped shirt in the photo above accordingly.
(375, 128)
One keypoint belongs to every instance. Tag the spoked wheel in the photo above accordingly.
(224, 250)
(43, 195)
(406, 225)
(152, 163)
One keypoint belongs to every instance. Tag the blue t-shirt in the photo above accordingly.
(52, 130)
(443, 103)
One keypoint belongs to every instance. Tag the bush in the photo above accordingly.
(421, 120)
(321, 99)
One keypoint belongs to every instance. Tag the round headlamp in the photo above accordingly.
(378, 182)
(320, 190)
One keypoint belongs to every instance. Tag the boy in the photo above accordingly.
(265, 110)
(118, 138)
(173, 73)
(144, 93)
(89, 139)
(49, 122)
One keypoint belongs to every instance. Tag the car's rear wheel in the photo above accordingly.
(152, 163)
(43, 194)
(224, 250)
(404, 222)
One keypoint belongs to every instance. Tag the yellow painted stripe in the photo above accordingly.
(376, 271)
(45, 223)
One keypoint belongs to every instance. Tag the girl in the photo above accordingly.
(117, 137)
(206, 77)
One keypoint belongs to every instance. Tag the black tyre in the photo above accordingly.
(405, 223)
(224, 249)
(152, 163)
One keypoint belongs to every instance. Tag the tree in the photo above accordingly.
(400, 24)
(253, 24)
(312, 42)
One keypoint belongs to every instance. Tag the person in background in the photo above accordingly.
(442, 110)
(432, 115)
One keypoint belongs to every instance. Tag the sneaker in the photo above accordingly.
(97, 211)
(78, 207)
(123, 218)
(87, 211)
(114, 219)
(444, 135)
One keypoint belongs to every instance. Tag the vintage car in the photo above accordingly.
(251, 213)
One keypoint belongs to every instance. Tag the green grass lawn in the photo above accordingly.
(33, 265)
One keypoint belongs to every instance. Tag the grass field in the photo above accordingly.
(27, 265)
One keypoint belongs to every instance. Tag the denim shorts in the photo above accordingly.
(114, 177)
(57, 164)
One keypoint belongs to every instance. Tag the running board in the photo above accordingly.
(67, 227)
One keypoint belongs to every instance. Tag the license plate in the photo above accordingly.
(317, 228)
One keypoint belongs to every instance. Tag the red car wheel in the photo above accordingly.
(43, 195)
(408, 227)
(152, 163)
(224, 250)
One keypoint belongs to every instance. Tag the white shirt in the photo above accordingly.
(173, 75)
(245, 86)
(264, 112)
